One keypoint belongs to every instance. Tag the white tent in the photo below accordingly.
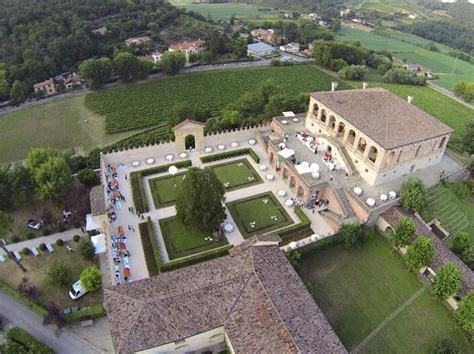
(286, 153)
(91, 225)
(99, 243)
(288, 114)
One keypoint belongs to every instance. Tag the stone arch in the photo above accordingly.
(399, 157)
(442, 142)
(300, 192)
(341, 130)
(362, 145)
(418, 149)
(190, 141)
(315, 109)
(186, 128)
(323, 116)
(373, 154)
(285, 173)
(292, 181)
(351, 137)
(332, 122)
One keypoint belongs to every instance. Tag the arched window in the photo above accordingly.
(315, 109)
(351, 137)
(323, 116)
(362, 145)
(332, 122)
(399, 157)
(373, 153)
(418, 149)
(390, 159)
(341, 129)
(442, 142)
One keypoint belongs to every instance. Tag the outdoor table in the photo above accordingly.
(284, 122)
(293, 245)
(315, 237)
(296, 120)
(370, 202)
(392, 195)
(263, 168)
(315, 175)
(208, 149)
(228, 227)
(252, 141)
(169, 158)
(358, 191)
(270, 177)
(136, 163)
(234, 144)
(221, 147)
(289, 202)
(150, 161)
(183, 155)
(281, 193)
(282, 145)
(383, 197)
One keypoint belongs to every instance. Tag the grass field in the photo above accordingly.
(163, 189)
(258, 214)
(182, 241)
(403, 46)
(447, 110)
(61, 124)
(455, 215)
(236, 174)
(378, 6)
(136, 106)
(359, 288)
(37, 268)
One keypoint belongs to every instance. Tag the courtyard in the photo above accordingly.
(182, 240)
(374, 304)
(258, 214)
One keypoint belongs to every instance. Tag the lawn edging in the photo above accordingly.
(150, 247)
(138, 187)
(196, 258)
(26, 341)
(296, 232)
(229, 154)
(40, 311)
(89, 312)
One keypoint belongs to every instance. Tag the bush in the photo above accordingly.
(88, 177)
(61, 227)
(20, 341)
(404, 77)
(46, 231)
(465, 313)
(25, 251)
(352, 234)
(151, 251)
(460, 242)
(337, 64)
(42, 247)
(413, 194)
(86, 249)
(91, 312)
(353, 72)
(445, 346)
(420, 253)
(198, 258)
(76, 238)
(30, 235)
(60, 274)
(229, 154)
(447, 282)
(59, 242)
(91, 278)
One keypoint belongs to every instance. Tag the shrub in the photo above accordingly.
(60, 242)
(42, 247)
(448, 280)
(59, 274)
(352, 234)
(76, 238)
(86, 249)
(465, 313)
(151, 256)
(420, 253)
(460, 242)
(413, 194)
(353, 72)
(28, 290)
(88, 177)
(20, 341)
(232, 153)
(404, 77)
(46, 231)
(403, 233)
(25, 251)
(61, 227)
(91, 279)
(30, 235)
(337, 64)
(91, 312)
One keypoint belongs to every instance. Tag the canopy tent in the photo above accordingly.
(99, 243)
(91, 225)
(286, 153)
(305, 167)
(288, 114)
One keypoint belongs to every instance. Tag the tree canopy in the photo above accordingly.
(96, 72)
(172, 62)
(403, 233)
(465, 313)
(448, 280)
(200, 199)
(91, 279)
(420, 253)
(413, 194)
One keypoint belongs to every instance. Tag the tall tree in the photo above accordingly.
(403, 232)
(465, 313)
(468, 138)
(413, 194)
(420, 253)
(200, 199)
(129, 68)
(172, 62)
(18, 93)
(448, 280)
(91, 279)
(96, 72)
(460, 242)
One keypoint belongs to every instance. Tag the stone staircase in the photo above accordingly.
(346, 205)
(342, 153)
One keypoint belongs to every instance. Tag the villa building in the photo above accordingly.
(189, 47)
(265, 35)
(251, 301)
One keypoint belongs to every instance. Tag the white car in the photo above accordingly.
(77, 290)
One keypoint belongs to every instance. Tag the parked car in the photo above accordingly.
(34, 224)
(77, 290)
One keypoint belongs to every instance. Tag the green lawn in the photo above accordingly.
(359, 288)
(258, 214)
(455, 215)
(182, 241)
(406, 46)
(163, 189)
(61, 124)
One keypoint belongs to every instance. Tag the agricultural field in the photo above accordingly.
(61, 124)
(406, 46)
(378, 6)
(367, 288)
(148, 104)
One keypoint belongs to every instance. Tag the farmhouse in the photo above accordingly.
(260, 50)
(46, 88)
(265, 35)
(291, 48)
(189, 47)
(250, 301)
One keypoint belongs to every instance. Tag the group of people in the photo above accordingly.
(120, 255)
(317, 202)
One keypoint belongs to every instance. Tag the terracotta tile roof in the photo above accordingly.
(383, 116)
(187, 45)
(97, 199)
(187, 121)
(253, 292)
(443, 253)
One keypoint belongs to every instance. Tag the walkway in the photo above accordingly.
(65, 236)
(388, 319)
(61, 342)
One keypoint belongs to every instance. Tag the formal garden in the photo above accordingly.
(374, 304)
(258, 214)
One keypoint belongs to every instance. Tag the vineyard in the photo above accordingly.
(148, 105)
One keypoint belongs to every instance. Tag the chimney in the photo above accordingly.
(364, 85)
(333, 86)
(410, 99)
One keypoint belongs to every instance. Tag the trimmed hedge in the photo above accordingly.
(232, 153)
(151, 258)
(197, 258)
(298, 231)
(29, 343)
(322, 244)
(87, 313)
(138, 187)
(23, 299)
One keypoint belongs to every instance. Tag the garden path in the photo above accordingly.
(65, 236)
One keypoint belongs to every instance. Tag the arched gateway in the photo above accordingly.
(189, 133)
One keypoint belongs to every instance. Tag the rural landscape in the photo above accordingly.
(237, 176)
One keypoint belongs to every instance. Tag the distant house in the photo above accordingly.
(189, 47)
(100, 31)
(72, 81)
(45, 88)
(260, 50)
(345, 12)
(290, 48)
(265, 35)
(419, 69)
(138, 40)
(156, 55)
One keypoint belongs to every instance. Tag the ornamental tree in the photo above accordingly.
(413, 194)
(420, 253)
(448, 280)
(59, 274)
(200, 199)
(90, 278)
(403, 232)
(465, 313)
(86, 248)
(171, 62)
(96, 72)
(460, 242)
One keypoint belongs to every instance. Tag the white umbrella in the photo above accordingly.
(370, 202)
(392, 195)
(293, 245)
(270, 177)
(252, 141)
(281, 193)
(136, 163)
(183, 155)
(169, 157)
(383, 197)
(228, 227)
(263, 168)
(150, 161)
(172, 170)
(357, 191)
(234, 144)
(289, 202)
(221, 147)
(208, 149)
